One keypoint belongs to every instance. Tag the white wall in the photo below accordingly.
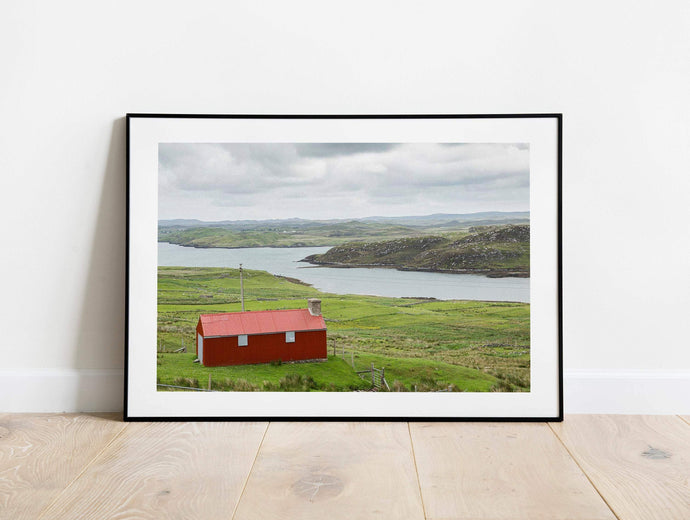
(619, 71)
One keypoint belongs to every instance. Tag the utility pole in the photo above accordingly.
(241, 288)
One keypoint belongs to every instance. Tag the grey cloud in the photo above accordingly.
(519, 146)
(340, 149)
(227, 168)
(268, 180)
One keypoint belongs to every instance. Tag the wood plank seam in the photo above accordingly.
(682, 418)
(414, 460)
(337, 469)
(577, 462)
(83, 470)
(249, 473)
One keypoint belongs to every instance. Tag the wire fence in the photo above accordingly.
(377, 376)
(185, 388)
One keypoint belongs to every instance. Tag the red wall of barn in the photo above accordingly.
(264, 348)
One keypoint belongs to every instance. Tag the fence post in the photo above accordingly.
(373, 381)
(383, 376)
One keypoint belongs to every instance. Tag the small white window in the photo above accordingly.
(242, 340)
(289, 337)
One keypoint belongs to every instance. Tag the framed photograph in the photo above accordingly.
(344, 267)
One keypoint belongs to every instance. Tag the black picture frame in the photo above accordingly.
(134, 407)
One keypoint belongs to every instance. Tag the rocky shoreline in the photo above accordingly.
(197, 246)
(293, 280)
(489, 273)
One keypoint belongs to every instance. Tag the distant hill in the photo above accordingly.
(437, 218)
(497, 251)
(194, 223)
(459, 218)
(296, 232)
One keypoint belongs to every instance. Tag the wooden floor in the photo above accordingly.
(590, 467)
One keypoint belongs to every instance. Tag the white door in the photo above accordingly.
(200, 340)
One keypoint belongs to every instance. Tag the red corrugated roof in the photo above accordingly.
(260, 322)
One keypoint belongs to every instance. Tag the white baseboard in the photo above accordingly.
(61, 390)
(585, 391)
(652, 392)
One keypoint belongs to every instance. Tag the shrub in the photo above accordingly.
(297, 383)
(502, 386)
(268, 386)
(186, 381)
(242, 385)
(509, 381)
(397, 386)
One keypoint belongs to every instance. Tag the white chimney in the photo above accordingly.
(314, 306)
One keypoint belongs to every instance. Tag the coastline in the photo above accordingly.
(193, 246)
(489, 273)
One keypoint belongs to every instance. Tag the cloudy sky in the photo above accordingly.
(339, 180)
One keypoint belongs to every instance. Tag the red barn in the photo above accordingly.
(243, 338)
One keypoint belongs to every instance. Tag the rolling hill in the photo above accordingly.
(495, 251)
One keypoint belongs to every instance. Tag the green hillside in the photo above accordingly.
(422, 343)
(302, 233)
(493, 250)
(284, 235)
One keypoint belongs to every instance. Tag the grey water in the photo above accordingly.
(371, 281)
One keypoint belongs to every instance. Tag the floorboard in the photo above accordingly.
(171, 470)
(333, 470)
(640, 464)
(501, 471)
(87, 466)
(41, 454)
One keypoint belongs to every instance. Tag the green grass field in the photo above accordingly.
(422, 344)
(275, 235)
